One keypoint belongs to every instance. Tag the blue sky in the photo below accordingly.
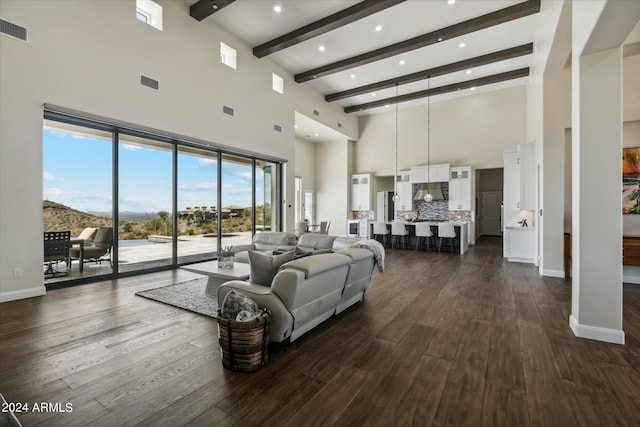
(77, 172)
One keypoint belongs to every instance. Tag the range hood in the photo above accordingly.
(434, 188)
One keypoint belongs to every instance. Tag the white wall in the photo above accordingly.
(306, 164)
(472, 131)
(557, 118)
(88, 56)
(333, 179)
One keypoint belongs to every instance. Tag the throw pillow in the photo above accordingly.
(264, 267)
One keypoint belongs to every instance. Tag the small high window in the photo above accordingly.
(278, 83)
(228, 55)
(149, 12)
(143, 17)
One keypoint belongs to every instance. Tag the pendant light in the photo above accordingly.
(428, 197)
(396, 196)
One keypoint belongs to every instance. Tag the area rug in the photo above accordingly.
(186, 295)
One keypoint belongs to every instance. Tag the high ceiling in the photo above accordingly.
(374, 41)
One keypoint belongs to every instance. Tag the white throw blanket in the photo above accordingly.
(375, 247)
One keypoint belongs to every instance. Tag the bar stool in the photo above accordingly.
(446, 231)
(380, 229)
(423, 229)
(398, 229)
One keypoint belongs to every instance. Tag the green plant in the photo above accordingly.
(226, 251)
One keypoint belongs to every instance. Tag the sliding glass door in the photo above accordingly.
(236, 207)
(266, 191)
(197, 204)
(145, 208)
(138, 202)
(77, 196)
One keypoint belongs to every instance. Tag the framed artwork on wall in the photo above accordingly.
(631, 180)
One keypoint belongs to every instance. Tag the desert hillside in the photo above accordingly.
(57, 217)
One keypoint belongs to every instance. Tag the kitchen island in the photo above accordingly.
(461, 227)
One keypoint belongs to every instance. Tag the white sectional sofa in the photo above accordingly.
(309, 290)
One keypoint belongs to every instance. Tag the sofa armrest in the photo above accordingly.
(242, 248)
(281, 320)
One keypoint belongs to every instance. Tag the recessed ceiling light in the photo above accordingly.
(401, 62)
(378, 27)
(473, 88)
(321, 48)
(215, 6)
(468, 71)
(353, 76)
(373, 94)
(295, 126)
(277, 8)
(439, 39)
(386, 106)
(463, 44)
(451, 1)
(316, 134)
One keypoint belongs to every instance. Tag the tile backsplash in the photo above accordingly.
(435, 210)
(362, 214)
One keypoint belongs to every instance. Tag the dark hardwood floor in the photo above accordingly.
(441, 339)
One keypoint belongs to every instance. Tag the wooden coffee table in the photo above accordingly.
(218, 276)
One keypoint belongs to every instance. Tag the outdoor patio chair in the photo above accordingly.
(99, 251)
(56, 249)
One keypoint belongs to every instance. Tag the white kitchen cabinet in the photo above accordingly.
(418, 174)
(434, 173)
(511, 190)
(460, 198)
(519, 181)
(404, 191)
(528, 176)
(520, 244)
(361, 192)
(439, 173)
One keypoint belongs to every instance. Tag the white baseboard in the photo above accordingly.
(614, 336)
(523, 260)
(631, 278)
(553, 273)
(22, 293)
(631, 274)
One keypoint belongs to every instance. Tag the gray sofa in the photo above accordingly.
(309, 290)
(265, 241)
(270, 241)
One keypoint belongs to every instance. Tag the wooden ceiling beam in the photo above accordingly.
(489, 58)
(324, 25)
(482, 81)
(501, 16)
(204, 8)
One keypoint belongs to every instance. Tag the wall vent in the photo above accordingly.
(149, 82)
(13, 30)
(277, 128)
(339, 125)
(316, 113)
(227, 110)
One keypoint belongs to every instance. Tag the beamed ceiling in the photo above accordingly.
(359, 53)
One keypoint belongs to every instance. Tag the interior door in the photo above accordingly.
(490, 202)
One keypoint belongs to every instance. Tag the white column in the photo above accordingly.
(596, 310)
